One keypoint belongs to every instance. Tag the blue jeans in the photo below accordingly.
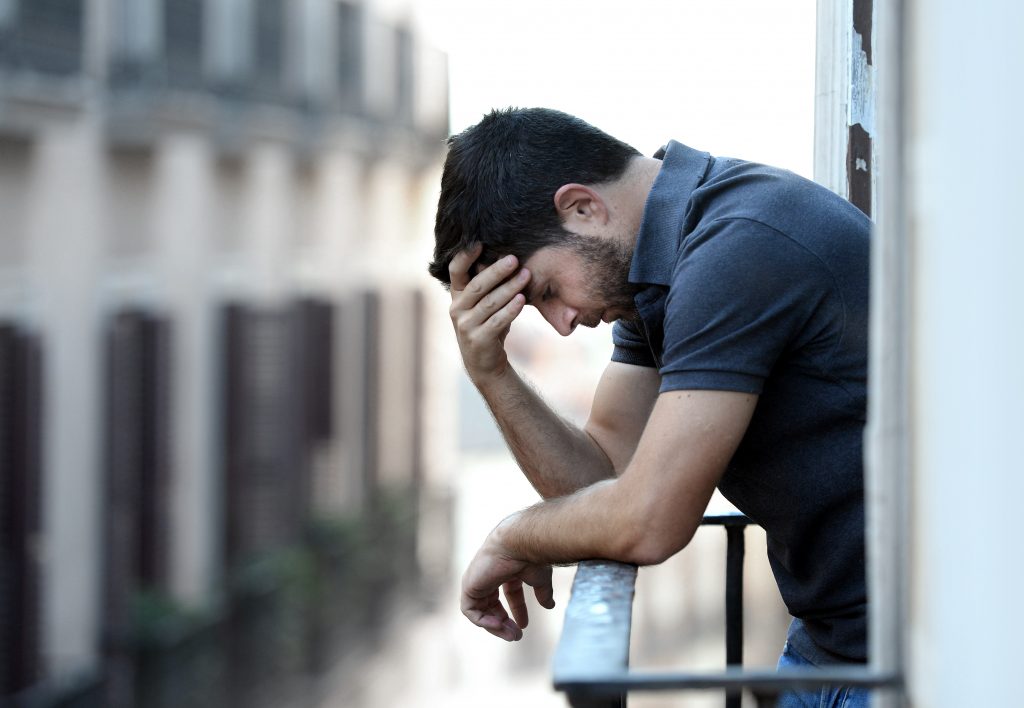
(840, 697)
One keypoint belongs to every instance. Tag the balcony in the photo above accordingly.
(264, 68)
(591, 664)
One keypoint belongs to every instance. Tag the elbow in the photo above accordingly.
(647, 526)
(654, 541)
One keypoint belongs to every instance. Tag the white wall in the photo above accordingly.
(185, 191)
(964, 184)
(64, 239)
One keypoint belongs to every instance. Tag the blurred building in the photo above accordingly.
(211, 330)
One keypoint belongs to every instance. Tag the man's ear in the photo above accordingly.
(579, 205)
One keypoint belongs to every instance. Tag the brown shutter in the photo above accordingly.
(262, 432)
(316, 361)
(138, 464)
(155, 434)
(20, 506)
(418, 363)
(371, 394)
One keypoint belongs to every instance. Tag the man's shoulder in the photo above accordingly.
(775, 197)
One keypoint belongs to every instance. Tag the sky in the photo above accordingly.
(733, 77)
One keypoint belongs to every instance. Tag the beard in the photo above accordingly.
(606, 264)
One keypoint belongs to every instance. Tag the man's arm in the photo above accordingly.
(644, 516)
(557, 457)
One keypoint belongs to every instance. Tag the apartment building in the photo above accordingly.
(211, 312)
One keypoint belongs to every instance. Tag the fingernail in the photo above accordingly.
(523, 274)
(509, 260)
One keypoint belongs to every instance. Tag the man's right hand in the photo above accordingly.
(484, 304)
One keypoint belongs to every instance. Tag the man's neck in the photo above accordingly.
(633, 189)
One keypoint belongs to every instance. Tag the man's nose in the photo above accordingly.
(562, 317)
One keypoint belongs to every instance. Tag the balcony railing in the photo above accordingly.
(592, 660)
(278, 72)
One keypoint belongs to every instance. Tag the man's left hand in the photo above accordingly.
(494, 569)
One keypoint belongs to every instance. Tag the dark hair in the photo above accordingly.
(500, 179)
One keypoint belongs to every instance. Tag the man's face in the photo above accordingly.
(583, 282)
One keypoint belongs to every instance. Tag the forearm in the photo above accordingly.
(642, 516)
(525, 545)
(653, 509)
(595, 522)
(557, 457)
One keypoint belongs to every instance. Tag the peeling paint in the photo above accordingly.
(862, 87)
(861, 108)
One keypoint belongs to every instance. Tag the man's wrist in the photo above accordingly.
(499, 539)
(491, 384)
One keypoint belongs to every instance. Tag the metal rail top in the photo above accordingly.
(592, 658)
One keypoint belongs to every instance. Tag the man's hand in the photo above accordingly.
(483, 307)
(493, 568)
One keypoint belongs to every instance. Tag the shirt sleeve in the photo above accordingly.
(743, 295)
(630, 345)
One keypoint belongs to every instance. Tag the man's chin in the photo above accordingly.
(616, 314)
(628, 315)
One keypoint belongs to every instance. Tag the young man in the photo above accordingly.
(739, 295)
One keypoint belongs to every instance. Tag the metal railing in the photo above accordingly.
(277, 86)
(592, 659)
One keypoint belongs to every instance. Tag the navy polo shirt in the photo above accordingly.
(757, 281)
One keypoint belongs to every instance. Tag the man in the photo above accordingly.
(739, 295)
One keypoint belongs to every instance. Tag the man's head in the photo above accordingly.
(501, 178)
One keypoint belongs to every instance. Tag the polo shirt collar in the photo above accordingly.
(682, 171)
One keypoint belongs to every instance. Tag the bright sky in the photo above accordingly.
(734, 77)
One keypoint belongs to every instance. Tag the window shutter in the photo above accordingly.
(371, 393)
(138, 463)
(20, 505)
(262, 432)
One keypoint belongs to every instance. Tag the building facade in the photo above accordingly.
(211, 316)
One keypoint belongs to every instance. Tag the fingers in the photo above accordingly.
(492, 287)
(517, 602)
(499, 323)
(458, 269)
(545, 596)
(494, 310)
(539, 577)
(492, 570)
(485, 302)
(488, 613)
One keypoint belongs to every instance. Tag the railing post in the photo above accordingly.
(577, 700)
(734, 605)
